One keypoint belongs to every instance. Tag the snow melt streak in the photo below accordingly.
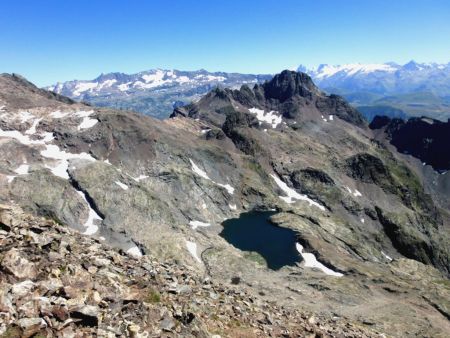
(91, 228)
(196, 224)
(203, 174)
(292, 195)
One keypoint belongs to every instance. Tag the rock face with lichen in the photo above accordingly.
(162, 189)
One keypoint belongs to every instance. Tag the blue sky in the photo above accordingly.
(54, 40)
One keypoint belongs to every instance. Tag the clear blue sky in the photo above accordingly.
(56, 40)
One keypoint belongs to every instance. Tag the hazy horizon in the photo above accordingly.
(65, 41)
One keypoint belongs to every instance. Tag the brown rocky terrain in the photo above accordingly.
(162, 189)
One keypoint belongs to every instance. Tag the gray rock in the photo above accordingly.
(167, 324)
(86, 315)
(14, 263)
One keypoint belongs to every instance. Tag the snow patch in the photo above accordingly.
(199, 171)
(124, 86)
(203, 174)
(53, 152)
(120, 184)
(24, 139)
(134, 251)
(47, 137)
(325, 71)
(25, 116)
(228, 187)
(311, 262)
(84, 113)
(87, 123)
(292, 195)
(140, 178)
(22, 170)
(270, 118)
(192, 248)
(91, 228)
(355, 193)
(60, 170)
(232, 206)
(82, 87)
(386, 256)
(106, 83)
(32, 129)
(58, 114)
(196, 224)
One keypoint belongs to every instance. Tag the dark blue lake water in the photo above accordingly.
(252, 231)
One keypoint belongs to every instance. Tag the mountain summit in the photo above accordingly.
(291, 95)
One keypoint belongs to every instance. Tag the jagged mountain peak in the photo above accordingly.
(289, 97)
(289, 83)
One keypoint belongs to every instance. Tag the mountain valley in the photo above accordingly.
(367, 221)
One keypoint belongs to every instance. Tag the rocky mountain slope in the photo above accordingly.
(412, 89)
(154, 92)
(56, 282)
(371, 233)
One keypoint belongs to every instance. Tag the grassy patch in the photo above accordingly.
(444, 282)
(153, 296)
(255, 257)
(12, 332)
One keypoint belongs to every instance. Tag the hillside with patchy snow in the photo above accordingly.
(370, 231)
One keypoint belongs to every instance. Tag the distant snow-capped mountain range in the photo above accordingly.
(384, 78)
(388, 88)
(153, 92)
(412, 89)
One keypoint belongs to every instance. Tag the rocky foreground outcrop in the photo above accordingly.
(55, 282)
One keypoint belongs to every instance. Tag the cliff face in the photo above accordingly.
(423, 138)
